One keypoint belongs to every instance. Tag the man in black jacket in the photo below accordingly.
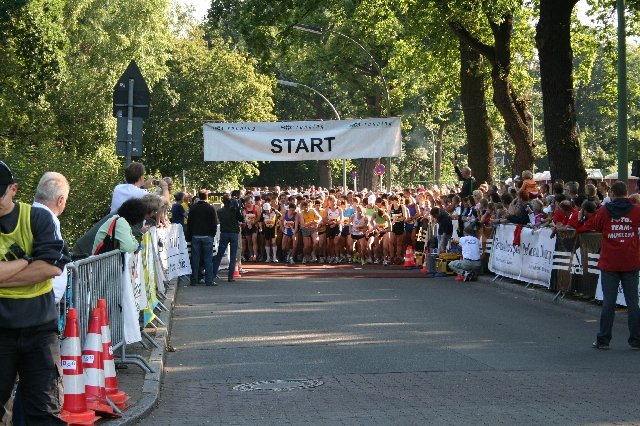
(230, 218)
(203, 224)
(468, 181)
(445, 228)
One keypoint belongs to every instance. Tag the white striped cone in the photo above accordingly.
(74, 408)
(110, 380)
(94, 367)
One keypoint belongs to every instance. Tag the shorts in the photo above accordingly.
(357, 237)
(333, 232)
(409, 227)
(398, 228)
(307, 232)
(269, 233)
(345, 231)
(249, 231)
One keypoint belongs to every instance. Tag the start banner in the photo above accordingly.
(302, 140)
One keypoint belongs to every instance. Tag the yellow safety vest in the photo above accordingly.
(23, 236)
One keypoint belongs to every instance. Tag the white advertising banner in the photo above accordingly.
(172, 250)
(531, 261)
(130, 312)
(302, 140)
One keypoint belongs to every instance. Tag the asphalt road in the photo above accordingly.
(388, 351)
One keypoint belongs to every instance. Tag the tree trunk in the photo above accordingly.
(553, 40)
(366, 175)
(438, 171)
(324, 174)
(512, 108)
(476, 118)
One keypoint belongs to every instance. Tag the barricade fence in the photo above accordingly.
(131, 283)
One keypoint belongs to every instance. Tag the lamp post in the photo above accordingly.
(622, 141)
(335, 111)
(322, 31)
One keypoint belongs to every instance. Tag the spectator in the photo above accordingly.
(468, 181)
(119, 231)
(529, 185)
(32, 255)
(583, 221)
(51, 194)
(445, 228)
(469, 266)
(134, 186)
(202, 229)
(178, 212)
(618, 221)
(230, 216)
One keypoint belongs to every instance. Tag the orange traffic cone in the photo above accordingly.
(236, 272)
(116, 396)
(94, 368)
(409, 258)
(74, 408)
(424, 262)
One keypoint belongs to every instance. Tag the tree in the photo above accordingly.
(553, 39)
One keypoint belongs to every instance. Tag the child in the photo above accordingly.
(529, 185)
(469, 266)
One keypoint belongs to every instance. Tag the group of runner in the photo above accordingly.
(331, 227)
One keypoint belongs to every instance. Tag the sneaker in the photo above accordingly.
(314, 258)
(385, 262)
(467, 276)
(274, 260)
(370, 260)
(599, 345)
(243, 271)
(304, 260)
(321, 259)
(268, 260)
(635, 348)
(459, 277)
(291, 261)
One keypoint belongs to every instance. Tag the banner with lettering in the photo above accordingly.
(130, 310)
(149, 278)
(172, 251)
(531, 261)
(302, 140)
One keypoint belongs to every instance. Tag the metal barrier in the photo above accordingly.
(98, 277)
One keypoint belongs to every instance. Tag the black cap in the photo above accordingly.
(6, 177)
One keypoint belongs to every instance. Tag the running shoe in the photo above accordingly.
(291, 261)
(385, 262)
(268, 260)
(304, 260)
(321, 259)
(314, 258)
(370, 260)
(274, 260)
(599, 345)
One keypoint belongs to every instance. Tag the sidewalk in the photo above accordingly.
(144, 388)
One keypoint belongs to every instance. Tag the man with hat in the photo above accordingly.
(30, 256)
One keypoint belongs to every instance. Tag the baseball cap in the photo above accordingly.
(6, 177)
(266, 206)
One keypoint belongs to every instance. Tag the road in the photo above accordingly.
(388, 350)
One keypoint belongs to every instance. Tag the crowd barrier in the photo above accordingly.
(132, 284)
(566, 263)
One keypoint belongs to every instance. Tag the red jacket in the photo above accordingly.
(618, 221)
(580, 227)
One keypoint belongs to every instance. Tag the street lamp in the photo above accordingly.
(322, 31)
(335, 111)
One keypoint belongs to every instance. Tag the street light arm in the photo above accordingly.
(321, 31)
(294, 84)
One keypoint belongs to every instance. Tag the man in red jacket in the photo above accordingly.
(618, 221)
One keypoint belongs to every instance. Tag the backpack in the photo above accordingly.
(109, 243)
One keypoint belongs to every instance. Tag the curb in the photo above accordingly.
(548, 296)
(152, 381)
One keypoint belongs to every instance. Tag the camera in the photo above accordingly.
(156, 182)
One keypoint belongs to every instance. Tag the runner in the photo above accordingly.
(267, 225)
(346, 243)
(251, 215)
(309, 220)
(333, 220)
(321, 246)
(381, 224)
(360, 227)
(398, 214)
(289, 226)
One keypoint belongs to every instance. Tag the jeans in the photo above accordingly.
(33, 353)
(227, 238)
(443, 240)
(463, 265)
(610, 281)
(202, 247)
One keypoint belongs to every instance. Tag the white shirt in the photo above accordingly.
(124, 192)
(59, 282)
(470, 247)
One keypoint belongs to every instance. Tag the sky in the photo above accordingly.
(201, 7)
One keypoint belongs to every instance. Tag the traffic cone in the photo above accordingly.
(94, 368)
(74, 408)
(409, 258)
(424, 262)
(236, 272)
(116, 396)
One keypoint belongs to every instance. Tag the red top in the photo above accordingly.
(561, 216)
(588, 225)
(620, 244)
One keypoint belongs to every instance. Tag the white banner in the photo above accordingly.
(172, 250)
(302, 140)
(130, 312)
(620, 299)
(531, 261)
